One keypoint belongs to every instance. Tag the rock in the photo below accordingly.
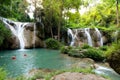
(114, 60)
(77, 76)
(105, 40)
(84, 63)
(13, 42)
(31, 40)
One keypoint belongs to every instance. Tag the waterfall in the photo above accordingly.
(73, 36)
(20, 33)
(34, 35)
(17, 29)
(99, 36)
(89, 39)
(70, 33)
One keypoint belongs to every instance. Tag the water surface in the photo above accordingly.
(33, 58)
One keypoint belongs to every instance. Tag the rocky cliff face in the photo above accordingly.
(31, 39)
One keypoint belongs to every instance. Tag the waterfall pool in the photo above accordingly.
(18, 62)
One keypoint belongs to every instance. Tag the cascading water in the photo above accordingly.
(99, 36)
(70, 33)
(20, 33)
(88, 36)
(17, 29)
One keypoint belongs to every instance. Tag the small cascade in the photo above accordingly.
(73, 36)
(70, 33)
(34, 35)
(102, 70)
(88, 36)
(99, 36)
(20, 33)
(17, 29)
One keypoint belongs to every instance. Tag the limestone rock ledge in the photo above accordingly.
(77, 76)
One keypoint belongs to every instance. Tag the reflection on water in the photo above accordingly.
(33, 58)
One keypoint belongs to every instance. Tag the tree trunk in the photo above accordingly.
(51, 32)
(117, 11)
(59, 24)
(35, 11)
(60, 21)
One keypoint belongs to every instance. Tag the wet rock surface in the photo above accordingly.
(77, 76)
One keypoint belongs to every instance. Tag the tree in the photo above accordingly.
(54, 9)
(14, 9)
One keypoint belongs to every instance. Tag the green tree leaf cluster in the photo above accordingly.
(4, 33)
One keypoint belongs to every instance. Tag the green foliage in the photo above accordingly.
(103, 48)
(21, 78)
(52, 43)
(95, 54)
(114, 47)
(85, 46)
(85, 52)
(76, 53)
(14, 9)
(4, 33)
(3, 74)
(65, 49)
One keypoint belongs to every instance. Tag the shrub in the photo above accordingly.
(76, 53)
(95, 54)
(103, 48)
(52, 43)
(85, 46)
(114, 47)
(65, 49)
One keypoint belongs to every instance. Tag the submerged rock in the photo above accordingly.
(77, 76)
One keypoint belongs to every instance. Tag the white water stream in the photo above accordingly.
(17, 29)
(99, 36)
(89, 39)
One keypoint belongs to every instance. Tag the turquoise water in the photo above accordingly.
(29, 59)
(35, 58)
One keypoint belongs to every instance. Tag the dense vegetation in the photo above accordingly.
(4, 35)
(85, 52)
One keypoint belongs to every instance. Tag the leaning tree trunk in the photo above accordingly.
(117, 11)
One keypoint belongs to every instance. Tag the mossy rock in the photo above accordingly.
(114, 60)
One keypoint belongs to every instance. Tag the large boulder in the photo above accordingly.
(77, 76)
(114, 60)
